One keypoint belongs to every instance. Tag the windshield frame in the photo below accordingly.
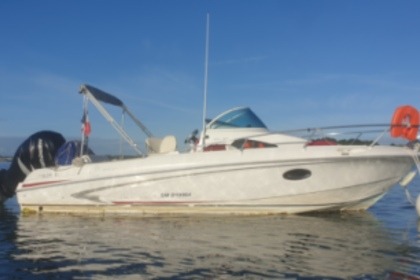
(240, 117)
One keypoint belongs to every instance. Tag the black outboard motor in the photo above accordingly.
(38, 151)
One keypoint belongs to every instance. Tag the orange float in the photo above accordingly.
(405, 123)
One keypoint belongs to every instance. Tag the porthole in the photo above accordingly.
(297, 174)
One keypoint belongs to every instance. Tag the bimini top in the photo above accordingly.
(241, 117)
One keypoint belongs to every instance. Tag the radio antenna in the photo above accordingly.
(206, 66)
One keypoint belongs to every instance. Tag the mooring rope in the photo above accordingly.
(411, 175)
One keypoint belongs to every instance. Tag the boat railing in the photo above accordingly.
(345, 134)
(365, 134)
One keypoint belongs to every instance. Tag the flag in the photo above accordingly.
(86, 129)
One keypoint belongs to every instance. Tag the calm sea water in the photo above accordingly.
(382, 243)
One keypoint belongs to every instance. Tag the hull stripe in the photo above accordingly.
(42, 183)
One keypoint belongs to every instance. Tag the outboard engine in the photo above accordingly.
(38, 151)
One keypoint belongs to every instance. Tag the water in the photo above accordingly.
(382, 243)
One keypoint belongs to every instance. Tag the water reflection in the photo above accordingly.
(8, 234)
(343, 245)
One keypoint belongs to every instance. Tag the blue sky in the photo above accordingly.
(296, 63)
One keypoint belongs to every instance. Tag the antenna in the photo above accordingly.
(206, 66)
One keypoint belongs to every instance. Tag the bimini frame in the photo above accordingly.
(96, 96)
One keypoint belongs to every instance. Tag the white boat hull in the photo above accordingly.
(237, 182)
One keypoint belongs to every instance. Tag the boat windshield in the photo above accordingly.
(237, 118)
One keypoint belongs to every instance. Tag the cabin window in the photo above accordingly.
(297, 174)
(243, 144)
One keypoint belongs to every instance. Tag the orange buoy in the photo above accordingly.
(405, 123)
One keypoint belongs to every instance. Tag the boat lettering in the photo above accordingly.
(175, 194)
(45, 175)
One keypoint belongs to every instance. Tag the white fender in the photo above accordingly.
(408, 178)
(418, 205)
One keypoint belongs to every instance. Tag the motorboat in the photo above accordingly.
(236, 165)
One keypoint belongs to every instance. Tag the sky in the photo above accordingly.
(297, 64)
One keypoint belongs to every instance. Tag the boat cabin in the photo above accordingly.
(228, 127)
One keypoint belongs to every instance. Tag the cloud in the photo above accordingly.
(330, 98)
(53, 83)
(242, 60)
(174, 90)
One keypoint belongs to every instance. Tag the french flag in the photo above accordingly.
(86, 129)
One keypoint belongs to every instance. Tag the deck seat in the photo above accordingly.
(163, 145)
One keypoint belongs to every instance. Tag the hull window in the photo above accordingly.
(297, 174)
